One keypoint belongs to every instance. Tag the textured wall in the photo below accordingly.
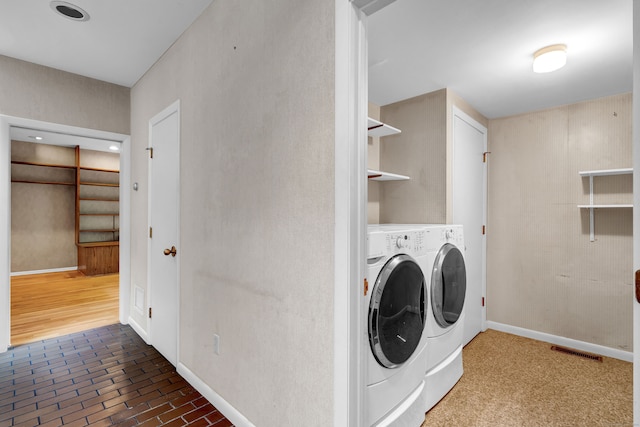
(42, 215)
(255, 81)
(543, 273)
(36, 92)
(418, 152)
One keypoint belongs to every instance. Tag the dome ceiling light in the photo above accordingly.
(69, 11)
(550, 58)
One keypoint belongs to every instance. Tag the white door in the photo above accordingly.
(469, 209)
(164, 251)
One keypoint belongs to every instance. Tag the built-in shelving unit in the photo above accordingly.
(385, 176)
(378, 129)
(36, 180)
(592, 205)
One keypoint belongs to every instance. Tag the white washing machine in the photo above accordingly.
(396, 306)
(445, 317)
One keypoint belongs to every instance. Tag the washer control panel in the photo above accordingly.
(407, 241)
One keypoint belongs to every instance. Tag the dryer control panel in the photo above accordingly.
(453, 234)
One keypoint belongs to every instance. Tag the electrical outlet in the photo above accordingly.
(216, 344)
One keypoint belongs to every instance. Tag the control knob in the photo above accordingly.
(401, 242)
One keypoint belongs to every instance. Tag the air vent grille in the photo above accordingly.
(573, 352)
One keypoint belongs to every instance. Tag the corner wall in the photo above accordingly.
(543, 273)
(256, 87)
(419, 152)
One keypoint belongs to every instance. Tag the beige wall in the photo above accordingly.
(42, 215)
(418, 152)
(36, 92)
(255, 82)
(543, 273)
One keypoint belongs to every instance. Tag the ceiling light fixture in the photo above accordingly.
(69, 10)
(550, 58)
(37, 138)
(114, 148)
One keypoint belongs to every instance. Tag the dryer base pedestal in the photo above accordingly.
(441, 379)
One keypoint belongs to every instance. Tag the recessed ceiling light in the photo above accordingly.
(69, 10)
(114, 148)
(550, 58)
(37, 138)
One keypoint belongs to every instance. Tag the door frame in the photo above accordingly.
(350, 231)
(636, 208)
(6, 122)
(457, 112)
(169, 110)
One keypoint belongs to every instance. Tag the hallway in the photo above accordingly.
(103, 376)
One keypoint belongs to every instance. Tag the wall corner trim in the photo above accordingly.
(139, 330)
(216, 400)
(626, 356)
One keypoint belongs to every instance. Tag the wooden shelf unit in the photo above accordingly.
(42, 165)
(97, 219)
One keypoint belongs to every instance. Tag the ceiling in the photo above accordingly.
(483, 51)
(40, 136)
(118, 44)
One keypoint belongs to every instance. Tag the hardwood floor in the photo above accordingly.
(50, 305)
(101, 377)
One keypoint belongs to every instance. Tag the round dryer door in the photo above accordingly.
(397, 311)
(448, 285)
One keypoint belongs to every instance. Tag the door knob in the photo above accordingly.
(171, 251)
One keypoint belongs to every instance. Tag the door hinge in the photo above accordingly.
(150, 150)
(149, 312)
(484, 156)
(366, 287)
(484, 230)
(150, 232)
(483, 301)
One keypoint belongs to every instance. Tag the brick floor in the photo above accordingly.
(104, 376)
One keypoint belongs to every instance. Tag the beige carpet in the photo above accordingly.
(514, 381)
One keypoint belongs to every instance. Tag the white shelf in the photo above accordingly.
(592, 206)
(377, 128)
(604, 206)
(607, 172)
(375, 175)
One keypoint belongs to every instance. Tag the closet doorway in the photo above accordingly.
(83, 246)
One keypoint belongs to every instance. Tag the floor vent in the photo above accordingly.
(577, 353)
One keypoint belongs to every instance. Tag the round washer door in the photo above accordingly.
(397, 311)
(448, 285)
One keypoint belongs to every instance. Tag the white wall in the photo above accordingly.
(255, 81)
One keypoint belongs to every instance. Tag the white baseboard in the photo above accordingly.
(139, 330)
(627, 356)
(51, 270)
(216, 400)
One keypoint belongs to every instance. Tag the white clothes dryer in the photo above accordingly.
(396, 307)
(445, 318)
